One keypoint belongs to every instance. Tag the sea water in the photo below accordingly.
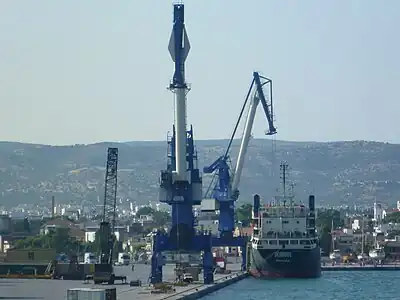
(338, 285)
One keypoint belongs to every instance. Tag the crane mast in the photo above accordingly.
(181, 181)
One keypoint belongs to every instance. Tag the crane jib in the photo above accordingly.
(225, 185)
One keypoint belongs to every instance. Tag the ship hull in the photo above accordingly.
(293, 263)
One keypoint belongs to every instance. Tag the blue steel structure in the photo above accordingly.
(181, 192)
(222, 189)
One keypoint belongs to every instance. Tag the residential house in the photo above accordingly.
(74, 230)
(91, 229)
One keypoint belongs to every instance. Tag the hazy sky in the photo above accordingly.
(95, 70)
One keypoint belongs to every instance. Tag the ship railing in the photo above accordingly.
(288, 235)
(283, 214)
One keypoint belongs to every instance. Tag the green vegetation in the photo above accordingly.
(243, 214)
(325, 219)
(346, 169)
(61, 242)
(58, 239)
(392, 217)
(160, 218)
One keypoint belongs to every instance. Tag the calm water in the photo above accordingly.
(367, 285)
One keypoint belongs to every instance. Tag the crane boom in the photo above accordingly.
(268, 107)
(226, 190)
(245, 142)
(258, 97)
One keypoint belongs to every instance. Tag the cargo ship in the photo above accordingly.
(284, 242)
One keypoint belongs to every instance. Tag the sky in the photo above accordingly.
(97, 70)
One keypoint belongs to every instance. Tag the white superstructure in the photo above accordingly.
(284, 224)
(283, 227)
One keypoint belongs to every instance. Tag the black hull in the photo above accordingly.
(288, 263)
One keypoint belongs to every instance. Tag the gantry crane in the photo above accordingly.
(224, 187)
(181, 182)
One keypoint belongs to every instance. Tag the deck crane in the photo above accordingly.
(224, 187)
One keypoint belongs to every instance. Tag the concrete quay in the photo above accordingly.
(193, 293)
(45, 289)
(357, 267)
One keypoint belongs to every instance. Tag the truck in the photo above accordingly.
(124, 259)
(89, 258)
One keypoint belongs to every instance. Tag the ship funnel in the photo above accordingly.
(256, 206)
(311, 203)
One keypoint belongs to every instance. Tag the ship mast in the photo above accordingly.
(284, 167)
(291, 193)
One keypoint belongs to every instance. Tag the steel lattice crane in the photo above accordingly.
(107, 225)
(224, 187)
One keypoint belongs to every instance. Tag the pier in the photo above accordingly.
(47, 289)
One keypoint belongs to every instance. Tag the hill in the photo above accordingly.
(337, 172)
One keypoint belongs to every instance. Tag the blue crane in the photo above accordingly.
(224, 187)
(181, 182)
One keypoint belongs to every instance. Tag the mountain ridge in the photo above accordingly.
(337, 172)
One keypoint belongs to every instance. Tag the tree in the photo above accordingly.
(37, 243)
(59, 240)
(393, 217)
(25, 243)
(161, 218)
(325, 238)
(144, 211)
(325, 218)
(243, 214)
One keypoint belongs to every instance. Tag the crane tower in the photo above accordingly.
(181, 183)
(107, 225)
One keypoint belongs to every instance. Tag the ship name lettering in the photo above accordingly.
(283, 254)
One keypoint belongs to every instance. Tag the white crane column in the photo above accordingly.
(245, 142)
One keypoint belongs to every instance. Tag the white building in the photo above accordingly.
(379, 213)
